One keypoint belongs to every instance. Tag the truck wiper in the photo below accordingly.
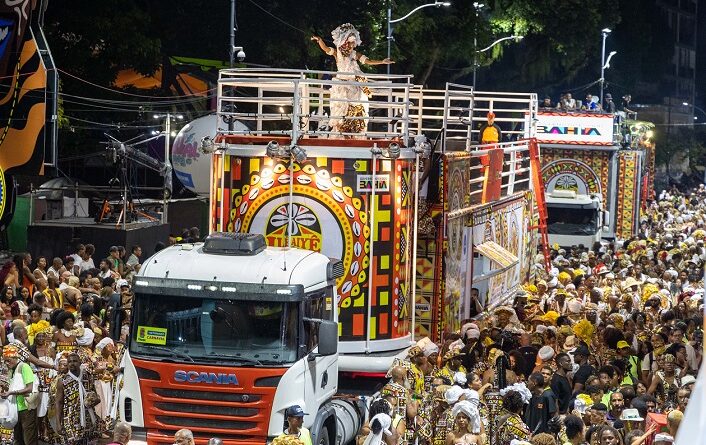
(236, 358)
(173, 352)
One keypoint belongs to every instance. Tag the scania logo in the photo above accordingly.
(205, 377)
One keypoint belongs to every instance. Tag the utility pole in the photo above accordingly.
(232, 33)
(167, 139)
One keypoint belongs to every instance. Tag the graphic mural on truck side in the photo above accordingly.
(331, 214)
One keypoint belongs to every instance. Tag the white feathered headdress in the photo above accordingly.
(344, 33)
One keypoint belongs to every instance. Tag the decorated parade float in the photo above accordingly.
(341, 203)
(598, 172)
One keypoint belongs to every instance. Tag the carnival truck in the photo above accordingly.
(574, 219)
(227, 334)
(323, 264)
(597, 164)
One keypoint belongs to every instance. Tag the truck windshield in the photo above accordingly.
(214, 329)
(572, 221)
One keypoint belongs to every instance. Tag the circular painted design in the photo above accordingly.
(326, 218)
(570, 174)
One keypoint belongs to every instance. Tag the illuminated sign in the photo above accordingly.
(205, 377)
(575, 128)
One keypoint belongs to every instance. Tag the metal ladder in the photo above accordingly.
(540, 201)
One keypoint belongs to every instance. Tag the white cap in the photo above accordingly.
(546, 353)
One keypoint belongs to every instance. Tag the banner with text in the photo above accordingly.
(574, 128)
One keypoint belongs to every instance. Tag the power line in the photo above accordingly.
(284, 22)
(127, 93)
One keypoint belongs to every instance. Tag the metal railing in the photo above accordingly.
(466, 110)
(514, 177)
(299, 103)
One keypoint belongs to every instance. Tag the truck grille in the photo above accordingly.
(239, 414)
(206, 409)
(192, 422)
(206, 395)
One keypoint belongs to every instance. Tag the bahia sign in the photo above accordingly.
(575, 128)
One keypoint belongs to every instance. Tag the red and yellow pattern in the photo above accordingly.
(331, 212)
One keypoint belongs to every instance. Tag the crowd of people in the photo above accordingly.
(591, 104)
(64, 327)
(601, 348)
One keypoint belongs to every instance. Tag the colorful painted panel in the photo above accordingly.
(331, 213)
(456, 197)
(504, 223)
(579, 170)
(628, 201)
(22, 100)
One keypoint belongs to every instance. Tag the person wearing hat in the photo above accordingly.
(545, 355)
(452, 362)
(490, 132)
(632, 371)
(295, 424)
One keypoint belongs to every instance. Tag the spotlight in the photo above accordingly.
(393, 150)
(422, 146)
(298, 153)
(273, 149)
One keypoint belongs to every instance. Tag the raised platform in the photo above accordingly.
(59, 237)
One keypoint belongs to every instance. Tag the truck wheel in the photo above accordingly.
(323, 436)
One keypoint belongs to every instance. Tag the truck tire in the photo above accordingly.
(323, 437)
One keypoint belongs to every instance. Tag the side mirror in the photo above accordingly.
(606, 218)
(328, 338)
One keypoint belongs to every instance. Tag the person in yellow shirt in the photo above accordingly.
(490, 132)
(295, 418)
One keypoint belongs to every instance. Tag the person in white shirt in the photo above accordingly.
(86, 262)
(57, 267)
(64, 280)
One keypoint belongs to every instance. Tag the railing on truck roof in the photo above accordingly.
(298, 103)
(513, 175)
(465, 110)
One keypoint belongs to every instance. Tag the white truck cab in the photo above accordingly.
(574, 219)
(227, 334)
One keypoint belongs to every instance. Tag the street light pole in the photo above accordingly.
(605, 33)
(687, 104)
(502, 39)
(477, 6)
(232, 33)
(390, 22)
(389, 32)
(167, 162)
